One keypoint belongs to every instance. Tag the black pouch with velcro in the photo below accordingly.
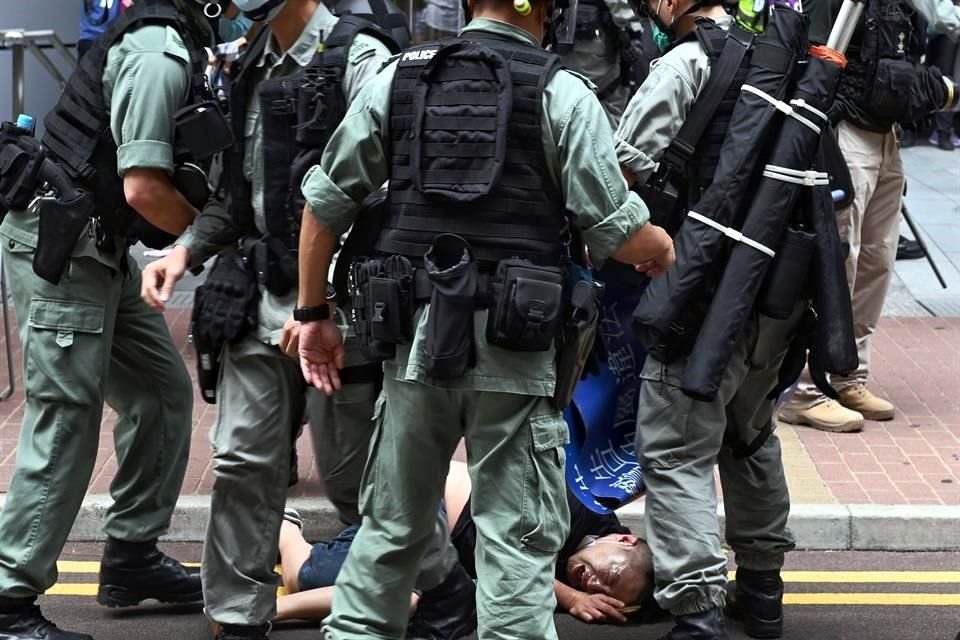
(527, 304)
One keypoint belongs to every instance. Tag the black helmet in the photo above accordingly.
(382, 13)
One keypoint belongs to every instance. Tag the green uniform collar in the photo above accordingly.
(303, 50)
(499, 28)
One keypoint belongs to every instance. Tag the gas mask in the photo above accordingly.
(260, 10)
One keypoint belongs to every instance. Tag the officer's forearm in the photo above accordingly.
(648, 243)
(151, 193)
(317, 246)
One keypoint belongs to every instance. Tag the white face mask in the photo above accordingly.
(254, 8)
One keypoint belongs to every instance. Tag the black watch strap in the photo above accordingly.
(312, 314)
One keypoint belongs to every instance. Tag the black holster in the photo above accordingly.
(61, 224)
(788, 279)
(208, 352)
(275, 267)
(578, 335)
(449, 347)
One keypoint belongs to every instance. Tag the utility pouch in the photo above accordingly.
(226, 302)
(381, 293)
(61, 224)
(527, 300)
(21, 160)
(449, 347)
(788, 277)
(890, 91)
(578, 335)
(274, 266)
(201, 130)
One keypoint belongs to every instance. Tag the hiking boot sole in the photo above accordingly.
(879, 416)
(115, 597)
(754, 626)
(790, 417)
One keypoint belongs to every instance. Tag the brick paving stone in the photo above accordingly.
(916, 365)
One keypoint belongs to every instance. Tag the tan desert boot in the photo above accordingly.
(829, 415)
(859, 398)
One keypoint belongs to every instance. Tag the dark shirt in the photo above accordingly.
(583, 522)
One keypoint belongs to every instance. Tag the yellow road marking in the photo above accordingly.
(872, 577)
(72, 589)
(885, 599)
(76, 566)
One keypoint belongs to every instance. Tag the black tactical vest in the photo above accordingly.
(875, 85)
(78, 132)
(706, 157)
(299, 113)
(466, 152)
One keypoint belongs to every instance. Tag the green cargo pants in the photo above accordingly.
(88, 340)
(679, 440)
(516, 461)
(262, 403)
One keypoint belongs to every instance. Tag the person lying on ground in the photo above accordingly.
(603, 571)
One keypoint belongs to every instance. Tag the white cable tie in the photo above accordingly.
(733, 234)
(808, 178)
(783, 106)
(803, 104)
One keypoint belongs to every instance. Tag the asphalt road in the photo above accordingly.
(830, 596)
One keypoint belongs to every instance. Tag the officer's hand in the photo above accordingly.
(597, 607)
(321, 354)
(290, 337)
(161, 276)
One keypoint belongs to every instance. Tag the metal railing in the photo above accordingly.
(19, 41)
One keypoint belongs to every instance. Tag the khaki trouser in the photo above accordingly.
(679, 440)
(262, 403)
(871, 225)
(86, 341)
(516, 461)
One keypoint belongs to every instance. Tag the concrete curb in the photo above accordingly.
(815, 526)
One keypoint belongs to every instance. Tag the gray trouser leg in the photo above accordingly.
(260, 404)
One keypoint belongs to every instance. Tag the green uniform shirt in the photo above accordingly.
(365, 58)
(658, 109)
(146, 79)
(579, 154)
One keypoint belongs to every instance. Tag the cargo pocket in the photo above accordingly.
(663, 416)
(545, 514)
(368, 480)
(64, 351)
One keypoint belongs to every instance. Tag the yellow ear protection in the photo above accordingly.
(522, 7)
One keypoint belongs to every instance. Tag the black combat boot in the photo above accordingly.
(238, 632)
(447, 612)
(705, 625)
(131, 572)
(756, 597)
(20, 619)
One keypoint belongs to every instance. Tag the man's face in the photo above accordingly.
(603, 565)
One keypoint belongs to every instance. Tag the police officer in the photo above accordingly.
(486, 143)
(262, 397)
(679, 439)
(90, 339)
(866, 109)
(604, 29)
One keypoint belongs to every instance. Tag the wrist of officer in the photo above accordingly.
(317, 313)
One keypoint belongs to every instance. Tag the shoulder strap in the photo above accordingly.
(736, 44)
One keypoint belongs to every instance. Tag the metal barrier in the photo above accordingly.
(38, 42)
(19, 41)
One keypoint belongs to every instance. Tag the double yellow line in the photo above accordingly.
(789, 577)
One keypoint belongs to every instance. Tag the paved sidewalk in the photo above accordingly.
(913, 461)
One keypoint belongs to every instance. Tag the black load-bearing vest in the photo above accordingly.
(299, 113)
(78, 133)
(466, 152)
(706, 156)
(875, 86)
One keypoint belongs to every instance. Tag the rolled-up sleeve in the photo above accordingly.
(594, 189)
(653, 117)
(149, 89)
(943, 16)
(354, 163)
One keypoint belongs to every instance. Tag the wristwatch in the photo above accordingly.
(319, 312)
